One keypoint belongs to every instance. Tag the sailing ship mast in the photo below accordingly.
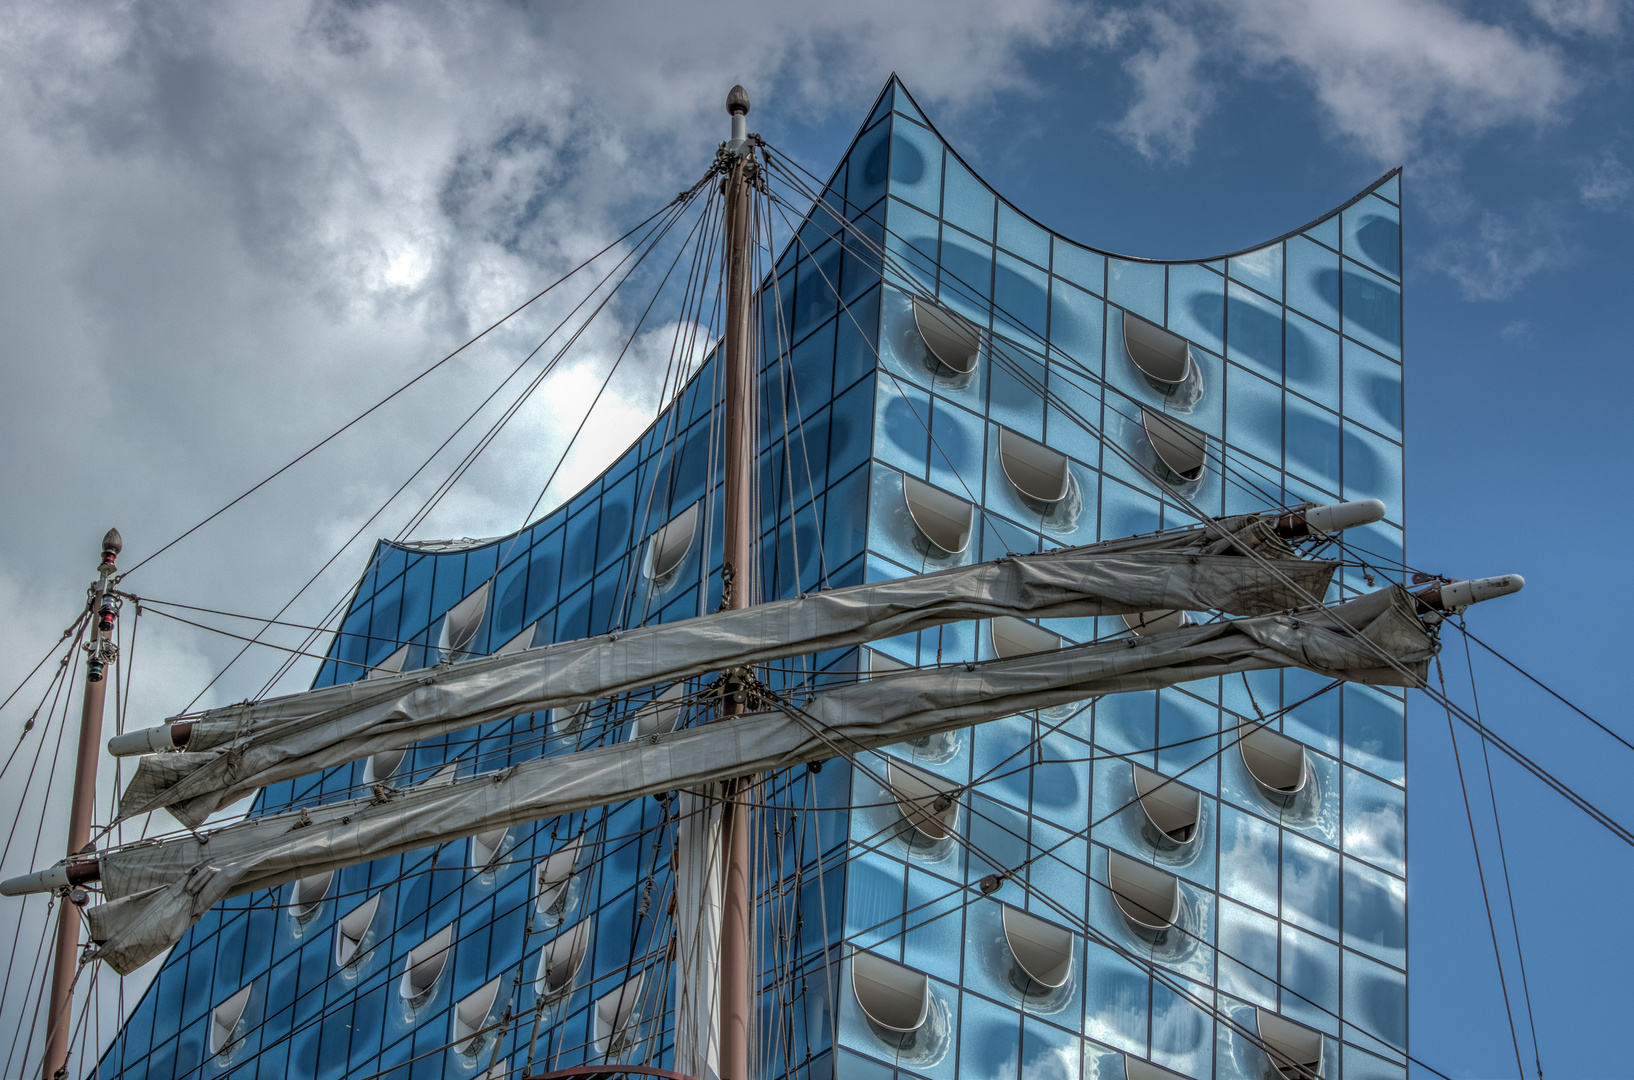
(739, 586)
(100, 653)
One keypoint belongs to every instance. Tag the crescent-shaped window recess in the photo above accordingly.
(661, 715)
(617, 1014)
(951, 338)
(1181, 448)
(1148, 897)
(1017, 637)
(880, 664)
(424, 966)
(384, 765)
(351, 930)
(1042, 950)
(1294, 1049)
(945, 520)
(552, 877)
(307, 895)
(1172, 807)
(225, 1020)
(442, 777)
(567, 721)
(1276, 762)
(560, 961)
(471, 1015)
(1140, 1069)
(1155, 622)
(485, 848)
(928, 802)
(668, 546)
(391, 665)
(461, 624)
(1037, 472)
(894, 998)
(1160, 355)
(522, 641)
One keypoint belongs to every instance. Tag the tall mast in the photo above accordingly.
(101, 652)
(738, 587)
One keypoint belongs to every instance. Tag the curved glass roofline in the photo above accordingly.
(1337, 210)
(465, 545)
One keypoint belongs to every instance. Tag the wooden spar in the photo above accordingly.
(65, 960)
(737, 588)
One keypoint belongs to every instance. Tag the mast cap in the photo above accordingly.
(737, 102)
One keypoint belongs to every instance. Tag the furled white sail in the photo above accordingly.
(156, 890)
(231, 752)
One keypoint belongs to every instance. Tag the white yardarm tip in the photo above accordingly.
(1332, 518)
(1336, 517)
(1461, 594)
(39, 881)
(155, 740)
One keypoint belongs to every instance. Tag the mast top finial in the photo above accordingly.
(113, 542)
(737, 102)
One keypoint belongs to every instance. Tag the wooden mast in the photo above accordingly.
(737, 588)
(100, 653)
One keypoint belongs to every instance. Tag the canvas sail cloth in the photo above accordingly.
(236, 750)
(156, 891)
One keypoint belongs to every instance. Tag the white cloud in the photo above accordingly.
(230, 228)
(1503, 253)
(1606, 183)
(1598, 17)
(1171, 97)
(1389, 75)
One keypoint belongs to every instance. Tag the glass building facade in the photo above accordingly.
(1290, 907)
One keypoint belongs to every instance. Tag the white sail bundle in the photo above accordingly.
(231, 752)
(155, 891)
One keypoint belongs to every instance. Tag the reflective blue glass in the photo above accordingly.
(911, 244)
(1248, 954)
(1372, 467)
(1372, 310)
(1390, 189)
(1313, 444)
(1048, 1052)
(966, 202)
(1020, 300)
(916, 166)
(1116, 1001)
(967, 275)
(1182, 1032)
(1310, 885)
(1197, 305)
(1373, 235)
(1248, 859)
(1372, 390)
(1254, 331)
(1313, 361)
(956, 450)
(1084, 268)
(1310, 980)
(1021, 237)
(1076, 319)
(989, 1040)
(1376, 1003)
(1313, 280)
(1138, 287)
(1375, 913)
(1262, 269)
(1375, 822)
(1253, 415)
(1374, 732)
(869, 162)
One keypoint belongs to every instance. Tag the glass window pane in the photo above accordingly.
(1310, 980)
(966, 202)
(1374, 737)
(1262, 269)
(1375, 822)
(1373, 235)
(1254, 331)
(1313, 280)
(1373, 310)
(1248, 859)
(916, 166)
(1082, 267)
(1310, 885)
(1021, 236)
(1197, 305)
(1137, 287)
(1375, 913)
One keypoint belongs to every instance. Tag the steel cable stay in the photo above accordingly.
(1503, 862)
(634, 257)
(670, 214)
(1599, 816)
(472, 341)
(1155, 970)
(906, 283)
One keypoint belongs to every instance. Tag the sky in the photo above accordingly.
(229, 228)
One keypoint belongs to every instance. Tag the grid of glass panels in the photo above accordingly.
(575, 573)
(1300, 910)
(1298, 348)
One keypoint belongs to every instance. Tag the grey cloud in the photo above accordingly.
(1606, 183)
(1579, 16)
